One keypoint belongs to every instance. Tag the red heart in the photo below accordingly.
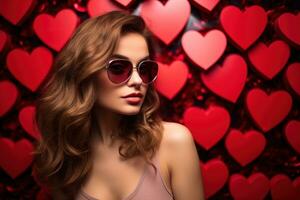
(243, 27)
(26, 119)
(207, 5)
(31, 69)
(215, 174)
(282, 187)
(15, 157)
(125, 3)
(204, 51)
(268, 110)
(16, 10)
(3, 40)
(269, 60)
(8, 96)
(227, 80)
(288, 25)
(292, 77)
(292, 133)
(55, 31)
(166, 21)
(244, 148)
(255, 187)
(171, 78)
(96, 7)
(207, 126)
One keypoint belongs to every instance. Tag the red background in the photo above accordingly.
(229, 70)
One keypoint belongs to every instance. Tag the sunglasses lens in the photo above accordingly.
(148, 71)
(119, 70)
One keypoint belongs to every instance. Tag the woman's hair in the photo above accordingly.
(65, 110)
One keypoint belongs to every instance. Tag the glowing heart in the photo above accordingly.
(125, 3)
(292, 133)
(283, 188)
(16, 10)
(204, 51)
(244, 148)
(96, 7)
(269, 60)
(26, 119)
(254, 187)
(165, 21)
(207, 126)
(15, 157)
(227, 80)
(55, 31)
(207, 5)
(243, 27)
(288, 25)
(30, 69)
(8, 96)
(292, 77)
(171, 78)
(215, 174)
(268, 110)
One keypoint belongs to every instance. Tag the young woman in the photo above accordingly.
(102, 137)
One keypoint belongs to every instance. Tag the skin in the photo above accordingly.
(181, 173)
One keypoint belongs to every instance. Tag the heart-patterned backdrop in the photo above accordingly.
(228, 69)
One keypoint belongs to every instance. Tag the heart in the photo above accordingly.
(288, 26)
(283, 188)
(3, 40)
(55, 31)
(292, 77)
(125, 3)
(26, 119)
(16, 11)
(96, 7)
(15, 157)
(255, 187)
(215, 174)
(268, 110)
(205, 5)
(227, 80)
(207, 126)
(292, 133)
(244, 148)
(171, 78)
(8, 96)
(30, 69)
(165, 21)
(204, 51)
(269, 60)
(243, 27)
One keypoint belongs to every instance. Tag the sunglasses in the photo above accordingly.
(120, 70)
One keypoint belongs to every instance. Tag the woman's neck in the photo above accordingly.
(108, 122)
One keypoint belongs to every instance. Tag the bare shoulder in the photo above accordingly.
(177, 134)
(183, 162)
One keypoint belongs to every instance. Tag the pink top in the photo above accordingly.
(150, 186)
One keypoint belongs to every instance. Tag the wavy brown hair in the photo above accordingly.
(65, 109)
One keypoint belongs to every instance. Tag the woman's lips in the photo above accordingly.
(133, 100)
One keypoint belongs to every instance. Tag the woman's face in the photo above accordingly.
(133, 47)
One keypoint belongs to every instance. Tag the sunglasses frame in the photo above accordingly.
(132, 67)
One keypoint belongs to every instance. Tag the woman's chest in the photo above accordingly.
(114, 180)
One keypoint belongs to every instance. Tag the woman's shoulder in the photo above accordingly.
(176, 133)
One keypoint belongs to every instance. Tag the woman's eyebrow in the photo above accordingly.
(125, 57)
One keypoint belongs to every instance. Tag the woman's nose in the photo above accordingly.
(135, 77)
